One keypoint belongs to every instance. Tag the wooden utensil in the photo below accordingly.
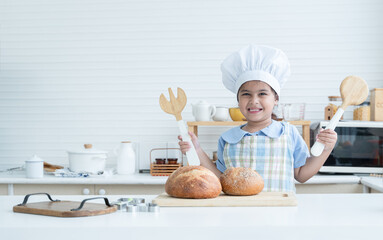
(59, 208)
(262, 199)
(354, 91)
(175, 107)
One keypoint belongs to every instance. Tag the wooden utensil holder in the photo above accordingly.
(163, 169)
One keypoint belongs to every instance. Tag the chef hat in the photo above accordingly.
(255, 62)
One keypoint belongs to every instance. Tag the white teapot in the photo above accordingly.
(202, 111)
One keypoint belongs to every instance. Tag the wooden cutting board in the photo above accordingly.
(63, 209)
(263, 199)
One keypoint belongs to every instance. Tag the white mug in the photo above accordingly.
(221, 114)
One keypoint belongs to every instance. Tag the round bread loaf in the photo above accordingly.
(241, 181)
(193, 182)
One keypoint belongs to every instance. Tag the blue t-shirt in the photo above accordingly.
(274, 130)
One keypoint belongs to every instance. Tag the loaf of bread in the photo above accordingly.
(241, 181)
(193, 182)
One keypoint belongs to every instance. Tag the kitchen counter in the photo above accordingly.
(15, 183)
(317, 216)
(375, 183)
(18, 177)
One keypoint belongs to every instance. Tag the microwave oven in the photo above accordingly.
(359, 148)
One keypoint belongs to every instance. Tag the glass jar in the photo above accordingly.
(332, 107)
(362, 111)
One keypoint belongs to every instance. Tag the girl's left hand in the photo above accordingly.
(327, 137)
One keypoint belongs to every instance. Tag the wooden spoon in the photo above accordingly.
(175, 107)
(354, 91)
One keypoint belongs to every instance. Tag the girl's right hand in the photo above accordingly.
(184, 146)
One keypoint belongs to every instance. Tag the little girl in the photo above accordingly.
(274, 149)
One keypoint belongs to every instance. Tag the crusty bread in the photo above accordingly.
(193, 182)
(241, 181)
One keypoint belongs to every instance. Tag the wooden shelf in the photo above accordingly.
(193, 127)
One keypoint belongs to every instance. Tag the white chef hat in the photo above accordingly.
(255, 62)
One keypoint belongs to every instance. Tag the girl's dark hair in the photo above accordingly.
(272, 89)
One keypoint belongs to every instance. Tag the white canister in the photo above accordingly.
(87, 160)
(126, 158)
(221, 114)
(34, 167)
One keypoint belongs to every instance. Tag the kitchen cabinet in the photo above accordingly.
(193, 127)
(57, 189)
(155, 189)
(82, 189)
(112, 189)
(17, 184)
(329, 188)
(3, 189)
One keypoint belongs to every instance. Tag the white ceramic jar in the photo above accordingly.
(221, 114)
(126, 158)
(87, 160)
(34, 167)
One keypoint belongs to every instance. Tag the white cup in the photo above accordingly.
(34, 167)
(221, 114)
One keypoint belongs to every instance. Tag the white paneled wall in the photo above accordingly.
(74, 72)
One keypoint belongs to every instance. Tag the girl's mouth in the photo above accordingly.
(254, 110)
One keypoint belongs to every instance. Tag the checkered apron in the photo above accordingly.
(272, 158)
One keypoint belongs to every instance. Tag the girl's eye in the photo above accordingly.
(263, 93)
(245, 94)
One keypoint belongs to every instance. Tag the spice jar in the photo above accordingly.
(160, 160)
(332, 107)
(362, 112)
(172, 160)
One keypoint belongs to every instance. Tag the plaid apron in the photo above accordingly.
(272, 158)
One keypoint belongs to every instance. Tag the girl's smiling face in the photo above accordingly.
(256, 101)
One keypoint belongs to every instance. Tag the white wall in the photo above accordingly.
(91, 71)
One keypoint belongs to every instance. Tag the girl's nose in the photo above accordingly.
(255, 99)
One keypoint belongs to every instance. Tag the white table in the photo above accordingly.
(317, 216)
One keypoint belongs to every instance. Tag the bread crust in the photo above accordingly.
(240, 181)
(193, 182)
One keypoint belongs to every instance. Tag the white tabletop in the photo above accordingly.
(317, 216)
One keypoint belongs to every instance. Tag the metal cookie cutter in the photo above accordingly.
(142, 207)
(138, 200)
(121, 203)
(152, 207)
(132, 208)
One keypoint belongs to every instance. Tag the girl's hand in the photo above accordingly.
(327, 137)
(185, 145)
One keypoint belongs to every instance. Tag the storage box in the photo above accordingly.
(376, 105)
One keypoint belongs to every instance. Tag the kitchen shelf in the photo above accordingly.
(193, 127)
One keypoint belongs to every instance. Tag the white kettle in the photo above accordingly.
(203, 111)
